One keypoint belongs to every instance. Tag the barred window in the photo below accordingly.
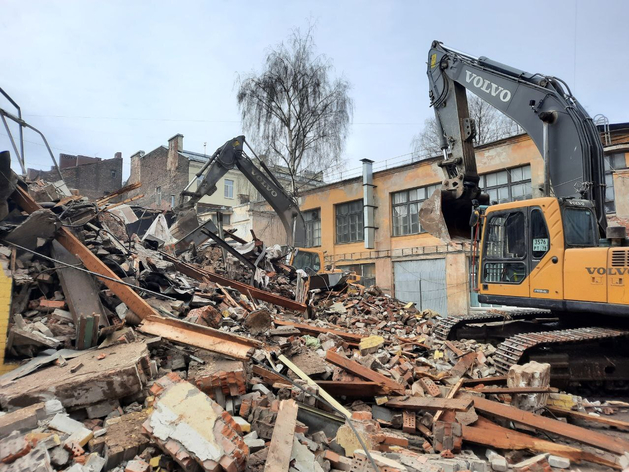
(349, 222)
(612, 162)
(313, 227)
(508, 185)
(406, 205)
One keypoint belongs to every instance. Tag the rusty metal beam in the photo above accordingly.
(213, 340)
(69, 241)
(575, 433)
(245, 289)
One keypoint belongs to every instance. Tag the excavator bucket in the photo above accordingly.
(445, 217)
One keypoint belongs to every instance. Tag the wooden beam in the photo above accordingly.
(487, 433)
(315, 330)
(246, 289)
(280, 450)
(622, 425)
(364, 372)
(498, 379)
(453, 391)
(431, 404)
(199, 336)
(325, 395)
(69, 241)
(513, 390)
(354, 389)
(575, 433)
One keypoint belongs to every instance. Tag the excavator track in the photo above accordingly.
(592, 357)
(447, 327)
(512, 350)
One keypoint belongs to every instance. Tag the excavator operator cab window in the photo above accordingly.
(579, 226)
(505, 248)
(307, 261)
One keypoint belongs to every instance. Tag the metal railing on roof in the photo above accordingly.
(378, 166)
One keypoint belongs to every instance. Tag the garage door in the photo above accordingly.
(422, 282)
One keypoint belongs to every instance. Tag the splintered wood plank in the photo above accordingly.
(278, 458)
(451, 394)
(69, 241)
(364, 372)
(354, 389)
(325, 395)
(487, 433)
(514, 390)
(575, 433)
(431, 403)
(622, 425)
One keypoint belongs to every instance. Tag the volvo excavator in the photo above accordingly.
(554, 255)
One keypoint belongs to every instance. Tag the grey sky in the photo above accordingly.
(101, 77)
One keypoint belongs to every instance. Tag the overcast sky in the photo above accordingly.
(101, 77)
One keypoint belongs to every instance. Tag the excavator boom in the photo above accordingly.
(542, 105)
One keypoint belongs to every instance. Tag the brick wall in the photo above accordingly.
(68, 160)
(93, 180)
(154, 170)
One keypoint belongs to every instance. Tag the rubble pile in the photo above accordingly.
(146, 361)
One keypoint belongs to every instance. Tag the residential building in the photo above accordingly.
(407, 262)
(93, 177)
(166, 170)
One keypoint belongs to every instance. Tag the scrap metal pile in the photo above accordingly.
(160, 363)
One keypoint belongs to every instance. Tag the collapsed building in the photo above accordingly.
(121, 355)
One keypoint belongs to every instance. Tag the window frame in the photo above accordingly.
(225, 187)
(158, 195)
(610, 166)
(490, 259)
(510, 184)
(311, 227)
(360, 233)
(428, 191)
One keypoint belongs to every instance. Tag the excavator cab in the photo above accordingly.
(308, 260)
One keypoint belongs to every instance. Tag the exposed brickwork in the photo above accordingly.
(154, 169)
(92, 177)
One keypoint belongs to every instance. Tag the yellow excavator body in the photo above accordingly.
(546, 253)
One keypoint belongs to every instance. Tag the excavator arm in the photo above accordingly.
(543, 106)
(232, 156)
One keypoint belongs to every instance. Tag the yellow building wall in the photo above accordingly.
(6, 284)
(510, 153)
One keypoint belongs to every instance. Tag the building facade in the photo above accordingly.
(409, 263)
(165, 171)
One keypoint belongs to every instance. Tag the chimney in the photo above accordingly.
(134, 177)
(118, 155)
(175, 146)
(369, 205)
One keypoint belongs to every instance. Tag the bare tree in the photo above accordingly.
(491, 125)
(295, 111)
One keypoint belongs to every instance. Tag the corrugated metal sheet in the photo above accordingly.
(422, 282)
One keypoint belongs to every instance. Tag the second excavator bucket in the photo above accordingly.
(445, 217)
